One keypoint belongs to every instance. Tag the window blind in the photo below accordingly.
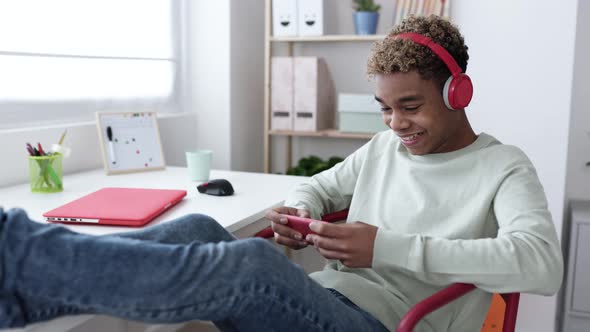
(66, 59)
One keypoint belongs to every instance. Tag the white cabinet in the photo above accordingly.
(576, 310)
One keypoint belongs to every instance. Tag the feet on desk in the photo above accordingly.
(164, 274)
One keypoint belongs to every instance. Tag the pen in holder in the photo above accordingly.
(45, 173)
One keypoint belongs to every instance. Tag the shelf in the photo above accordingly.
(327, 38)
(289, 46)
(321, 133)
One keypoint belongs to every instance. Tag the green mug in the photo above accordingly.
(199, 164)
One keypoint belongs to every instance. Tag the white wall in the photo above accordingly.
(209, 76)
(522, 55)
(246, 86)
(226, 74)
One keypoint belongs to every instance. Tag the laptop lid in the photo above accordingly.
(117, 206)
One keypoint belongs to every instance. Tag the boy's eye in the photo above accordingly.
(385, 109)
(411, 108)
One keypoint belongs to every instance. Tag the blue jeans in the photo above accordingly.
(182, 270)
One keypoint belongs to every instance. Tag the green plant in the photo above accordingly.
(366, 6)
(312, 165)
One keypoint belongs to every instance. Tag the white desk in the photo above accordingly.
(240, 213)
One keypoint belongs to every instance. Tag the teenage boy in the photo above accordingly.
(431, 202)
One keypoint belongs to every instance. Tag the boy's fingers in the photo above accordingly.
(289, 242)
(286, 210)
(303, 213)
(275, 213)
(271, 215)
(327, 243)
(275, 216)
(329, 254)
(286, 231)
(327, 229)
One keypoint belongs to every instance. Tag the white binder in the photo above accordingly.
(313, 95)
(281, 93)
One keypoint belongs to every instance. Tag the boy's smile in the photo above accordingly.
(415, 110)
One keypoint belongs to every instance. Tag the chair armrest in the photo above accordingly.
(431, 303)
(330, 217)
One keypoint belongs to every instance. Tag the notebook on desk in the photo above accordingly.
(117, 206)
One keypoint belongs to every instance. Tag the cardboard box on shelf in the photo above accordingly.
(310, 17)
(359, 113)
(284, 17)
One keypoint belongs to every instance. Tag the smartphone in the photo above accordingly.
(300, 224)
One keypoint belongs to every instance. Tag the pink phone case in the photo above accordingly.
(300, 224)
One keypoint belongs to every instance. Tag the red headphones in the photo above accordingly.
(458, 88)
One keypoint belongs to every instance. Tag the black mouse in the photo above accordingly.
(217, 187)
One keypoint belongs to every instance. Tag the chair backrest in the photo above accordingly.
(495, 316)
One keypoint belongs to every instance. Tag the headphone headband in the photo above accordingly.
(458, 89)
(440, 51)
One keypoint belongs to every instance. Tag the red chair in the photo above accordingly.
(435, 301)
(449, 294)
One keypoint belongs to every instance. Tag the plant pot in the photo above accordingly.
(365, 23)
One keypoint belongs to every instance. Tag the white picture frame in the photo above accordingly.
(130, 142)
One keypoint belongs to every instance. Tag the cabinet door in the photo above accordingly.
(581, 289)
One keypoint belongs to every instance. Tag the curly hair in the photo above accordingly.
(392, 55)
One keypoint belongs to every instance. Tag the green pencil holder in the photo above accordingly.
(45, 173)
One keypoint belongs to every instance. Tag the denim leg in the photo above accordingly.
(184, 230)
(247, 281)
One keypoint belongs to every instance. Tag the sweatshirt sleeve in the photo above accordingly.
(524, 257)
(330, 190)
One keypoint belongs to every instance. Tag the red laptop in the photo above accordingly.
(117, 206)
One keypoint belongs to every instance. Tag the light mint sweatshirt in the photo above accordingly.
(476, 215)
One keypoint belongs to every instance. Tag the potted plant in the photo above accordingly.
(366, 17)
(312, 165)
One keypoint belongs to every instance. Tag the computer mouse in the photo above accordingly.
(217, 187)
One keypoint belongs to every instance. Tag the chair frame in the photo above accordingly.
(449, 294)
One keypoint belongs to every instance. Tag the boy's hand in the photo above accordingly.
(284, 234)
(352, 244)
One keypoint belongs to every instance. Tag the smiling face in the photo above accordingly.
(415, 110)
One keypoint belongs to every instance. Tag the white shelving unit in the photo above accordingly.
(326, 38)
(269, 40)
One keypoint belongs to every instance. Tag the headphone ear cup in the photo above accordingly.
(445, 92)
(458, 91)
